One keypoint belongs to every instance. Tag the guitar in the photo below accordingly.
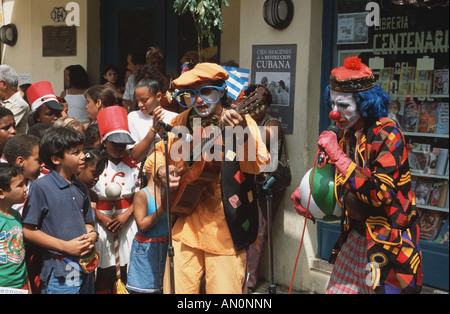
(197, 172)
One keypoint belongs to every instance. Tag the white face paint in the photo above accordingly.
(345, 103)
(204, 109)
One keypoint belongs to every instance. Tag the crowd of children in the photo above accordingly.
(76, 215)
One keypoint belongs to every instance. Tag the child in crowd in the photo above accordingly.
(45, 106)
(149, 249)
(76, 81)
(115, 191)
(70, 123)
(94, 164)
(39, 129)
(7, 126)
(58, 216)
(143, 123)
(92, 136)
(110, 76)
(23, 150)
(99, 97)
(13, 272)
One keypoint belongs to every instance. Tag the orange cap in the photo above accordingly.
(201, 72)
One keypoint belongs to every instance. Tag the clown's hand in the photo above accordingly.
(296, 198)
(328, 142)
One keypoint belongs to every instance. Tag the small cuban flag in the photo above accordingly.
(237, 81)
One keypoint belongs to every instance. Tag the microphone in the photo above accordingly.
(333, 128)
(268, 183)
(322, 158)
(185, 137)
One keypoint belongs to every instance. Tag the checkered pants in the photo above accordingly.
(349, 273)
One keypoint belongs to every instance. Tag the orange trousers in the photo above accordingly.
(223, 274)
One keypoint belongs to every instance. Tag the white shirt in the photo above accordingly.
(129, 89)
(140, 124)
(77, 107)
(121, 173)
(20, 109)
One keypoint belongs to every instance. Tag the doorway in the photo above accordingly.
(136, 25)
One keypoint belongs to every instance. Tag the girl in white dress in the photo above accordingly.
(115, 190)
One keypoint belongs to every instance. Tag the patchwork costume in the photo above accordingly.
(378, 249)
(381, 180)
(380, 226)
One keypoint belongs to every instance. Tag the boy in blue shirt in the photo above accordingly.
(58, 217)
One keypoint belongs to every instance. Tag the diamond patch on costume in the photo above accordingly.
(235, 201)
(230, 155)
(250, 196)
(240, 176)
(246, 225)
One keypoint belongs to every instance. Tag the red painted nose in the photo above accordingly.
(335, 115)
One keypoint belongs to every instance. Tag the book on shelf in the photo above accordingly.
(396, 108)
(430, 224)
(442, 236)
(422, 82)
(419, 156)
(432, 162)
(437, 161)
(446, 169)
(410, 115)
(423, 190)
(385, 78)
(407, 75)
(440, 82)
(436, 191)
(413, 183)
(442, 118)
(427, 117)
(443, 197)
(442, 161)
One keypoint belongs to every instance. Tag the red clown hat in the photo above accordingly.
(354, 76)
(113, 125)
(41, 93)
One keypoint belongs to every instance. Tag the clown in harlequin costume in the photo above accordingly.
(378, 250)
(212, 240)
(115, 190)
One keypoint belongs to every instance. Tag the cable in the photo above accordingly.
(306, 219)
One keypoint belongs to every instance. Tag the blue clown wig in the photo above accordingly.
(372, 103)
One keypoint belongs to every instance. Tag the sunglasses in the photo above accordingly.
(209, 94)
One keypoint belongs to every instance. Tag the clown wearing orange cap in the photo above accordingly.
(212, 240)
(378, 249)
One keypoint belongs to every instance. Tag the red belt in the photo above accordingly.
(143, 239)
(120, 204)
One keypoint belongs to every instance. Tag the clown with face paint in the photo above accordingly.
(212, 240)
(378, 249)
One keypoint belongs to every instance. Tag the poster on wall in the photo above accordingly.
(352, 29)
(274, 67)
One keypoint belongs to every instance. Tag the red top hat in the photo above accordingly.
(42, 93)
(113, 125)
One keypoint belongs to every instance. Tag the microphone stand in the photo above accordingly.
(267, 186)
(169, 214)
